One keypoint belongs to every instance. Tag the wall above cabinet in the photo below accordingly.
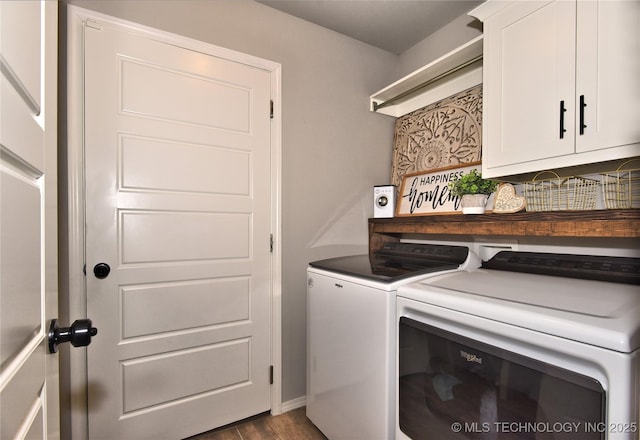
(453, 72)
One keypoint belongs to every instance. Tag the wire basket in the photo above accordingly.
(560, 193)
(621, 188)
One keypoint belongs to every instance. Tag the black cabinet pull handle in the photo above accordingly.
(562, 110)
(582, 106)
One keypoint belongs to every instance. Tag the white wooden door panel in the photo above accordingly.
(28, 219)
(195, 99)
(23, 397)
(21, 33)
(178, 204)
(210, 368)
(534, 48)
(204, 303)
(21, 312)
(212, 170)
(608, 72)
(21, 132)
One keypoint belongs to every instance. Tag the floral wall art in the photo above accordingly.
(443, 134)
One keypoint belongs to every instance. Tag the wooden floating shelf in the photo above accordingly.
(599, 223)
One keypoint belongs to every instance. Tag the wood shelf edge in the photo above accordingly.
(598, 223)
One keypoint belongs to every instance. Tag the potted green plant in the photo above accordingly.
(473, 191)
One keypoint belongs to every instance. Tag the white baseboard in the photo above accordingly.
(290, 405)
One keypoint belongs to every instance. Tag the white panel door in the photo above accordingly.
(28, 219)
(177, 151)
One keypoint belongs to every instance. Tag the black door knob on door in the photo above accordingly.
(79, 334)
(101, 270)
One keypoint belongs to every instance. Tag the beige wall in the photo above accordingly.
(334, 149)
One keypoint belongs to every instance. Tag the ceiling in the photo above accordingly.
(392, 25)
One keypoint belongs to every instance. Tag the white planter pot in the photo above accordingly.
(474, 203)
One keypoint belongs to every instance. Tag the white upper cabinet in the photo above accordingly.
(561, 84)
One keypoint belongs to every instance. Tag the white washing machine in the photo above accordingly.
(351, 309)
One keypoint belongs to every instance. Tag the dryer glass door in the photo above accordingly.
(452, 387)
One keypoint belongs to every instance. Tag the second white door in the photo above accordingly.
(178, 260)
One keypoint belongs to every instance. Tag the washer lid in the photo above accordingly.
(593, 312)
(397, 261)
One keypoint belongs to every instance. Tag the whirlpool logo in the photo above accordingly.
(470, 357)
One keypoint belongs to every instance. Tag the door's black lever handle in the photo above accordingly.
(79, 334)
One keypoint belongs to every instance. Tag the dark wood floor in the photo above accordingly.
(292, 425)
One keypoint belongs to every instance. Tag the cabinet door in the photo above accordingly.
(608, 74)
(529, 62)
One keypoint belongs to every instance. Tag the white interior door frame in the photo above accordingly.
(75, 304)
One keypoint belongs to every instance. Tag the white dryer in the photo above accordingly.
(530, 346)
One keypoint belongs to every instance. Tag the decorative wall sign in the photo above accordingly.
(442, 134)
(428, 193)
